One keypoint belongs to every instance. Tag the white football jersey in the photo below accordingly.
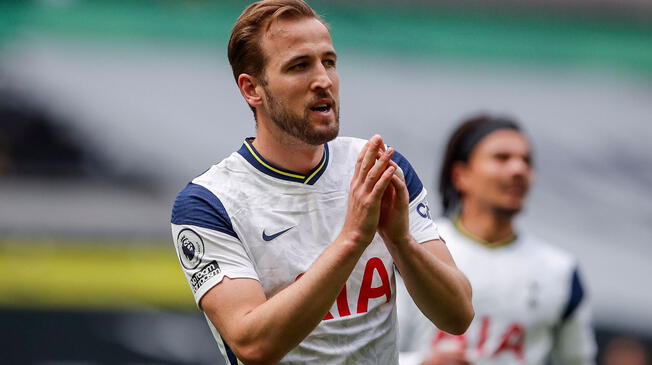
(530, 306)
(246, 218)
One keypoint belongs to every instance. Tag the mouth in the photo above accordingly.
(516, 190)
(322, 106)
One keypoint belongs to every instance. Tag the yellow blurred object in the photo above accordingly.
(91, 276)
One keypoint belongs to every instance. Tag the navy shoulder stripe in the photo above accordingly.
(576, 295)
(195, 205)
(412, 181)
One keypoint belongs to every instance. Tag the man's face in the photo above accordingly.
(301, 85)
(498, 173)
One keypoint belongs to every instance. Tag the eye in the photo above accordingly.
(501, 157)
(299, 66)
(329, 63)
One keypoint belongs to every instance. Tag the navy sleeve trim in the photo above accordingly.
(233, 360)
(197, 206)
(576, 296)
(412, 181)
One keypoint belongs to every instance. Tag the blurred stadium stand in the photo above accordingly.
(108, 108)
(638, 9)
(32, 143)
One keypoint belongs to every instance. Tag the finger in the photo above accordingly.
(399, 171)
(381, 144)
(389, 197)
(356, 171)
(382, 183)
(377, 170)
(402, 193)
(370, 155)
(393, 192)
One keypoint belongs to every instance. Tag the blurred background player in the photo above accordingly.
(529, 300)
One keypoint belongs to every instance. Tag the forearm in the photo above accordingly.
(438, 288)
(273, 328)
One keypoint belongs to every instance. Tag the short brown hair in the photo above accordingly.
(245, 51)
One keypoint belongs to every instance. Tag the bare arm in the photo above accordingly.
(263, 330)
(438, 288)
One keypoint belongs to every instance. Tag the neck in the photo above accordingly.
(285, 151)
(486, 226)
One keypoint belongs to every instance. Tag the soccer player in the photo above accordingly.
(528, 296)
(289, 244)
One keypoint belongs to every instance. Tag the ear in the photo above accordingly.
(459, 176)
(248, 86)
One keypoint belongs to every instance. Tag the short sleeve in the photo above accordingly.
(414, 184)
(575, 342)
(205, 242)
(422, 226)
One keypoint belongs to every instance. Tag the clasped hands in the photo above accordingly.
(378, 197)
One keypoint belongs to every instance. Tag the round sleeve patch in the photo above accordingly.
(190, 248)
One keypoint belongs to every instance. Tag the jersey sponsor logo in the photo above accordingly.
(424, 210)
(373, 267)
(533, 295)
(190, 248)
(511, 341)
(272, 236)
(200, 277)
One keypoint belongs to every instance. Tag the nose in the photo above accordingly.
(518, 166)
(322, 78)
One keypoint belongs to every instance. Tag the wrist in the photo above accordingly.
(352, 241)
(398, 241)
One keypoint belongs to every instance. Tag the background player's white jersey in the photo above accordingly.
(529, 304)
(245, 218)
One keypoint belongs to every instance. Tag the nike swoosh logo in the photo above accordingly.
(272, 236)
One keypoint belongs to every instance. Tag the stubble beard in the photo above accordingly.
(299, 126)
(504, 213)
(508, 212)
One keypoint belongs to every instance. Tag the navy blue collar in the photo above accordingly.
(256, 160)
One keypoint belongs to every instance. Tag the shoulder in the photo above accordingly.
(349, 148)
(550, 255)
(412, 180)
(554, 263)
(197, 206)
(562, 268)
(205, 201)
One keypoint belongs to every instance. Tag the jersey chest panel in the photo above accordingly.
(284, 230)
(518, 300)
(285, 233)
